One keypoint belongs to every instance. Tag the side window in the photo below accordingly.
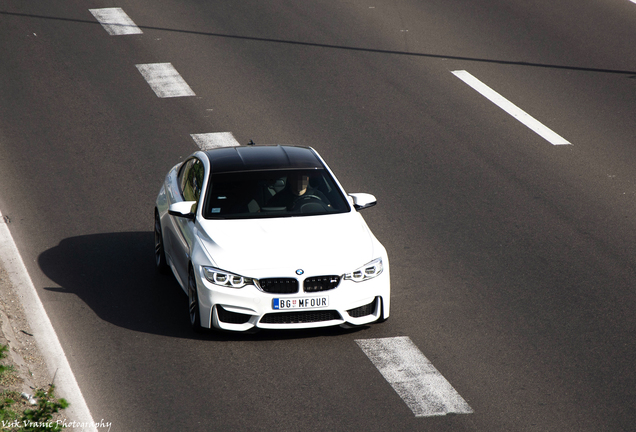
(183, 174)
(195, 179)
(191, 179)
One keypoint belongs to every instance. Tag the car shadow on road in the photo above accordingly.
(114, 274)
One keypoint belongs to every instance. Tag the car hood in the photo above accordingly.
(277, 247)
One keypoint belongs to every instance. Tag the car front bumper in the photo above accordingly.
(349, 304)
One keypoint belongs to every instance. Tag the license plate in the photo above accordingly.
(300, 303)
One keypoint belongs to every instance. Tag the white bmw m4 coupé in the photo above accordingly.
(265, 237)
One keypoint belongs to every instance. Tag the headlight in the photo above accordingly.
(225, 279)
(368, 271)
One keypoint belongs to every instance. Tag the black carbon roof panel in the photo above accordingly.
(257, 158)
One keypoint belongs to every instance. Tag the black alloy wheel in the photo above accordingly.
(160, 254)
(193, 302)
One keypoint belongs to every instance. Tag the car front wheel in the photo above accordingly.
(193, 302)
(160, 253)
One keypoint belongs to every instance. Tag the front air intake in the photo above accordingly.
(231, 317)
(361, 311)
(300, 317)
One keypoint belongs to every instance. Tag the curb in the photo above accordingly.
(41, 329)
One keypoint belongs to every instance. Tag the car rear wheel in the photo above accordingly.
(160, 253)
(193, 302)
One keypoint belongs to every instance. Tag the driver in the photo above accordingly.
(297, 188)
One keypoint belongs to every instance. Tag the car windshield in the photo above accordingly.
(274, 193)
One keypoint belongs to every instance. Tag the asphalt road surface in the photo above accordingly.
(512, 258)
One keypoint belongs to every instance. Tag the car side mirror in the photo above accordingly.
(184, 209)
(363, 200)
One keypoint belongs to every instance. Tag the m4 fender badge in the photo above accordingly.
(300, 271)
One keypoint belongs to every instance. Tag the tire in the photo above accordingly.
(160, 254)
(193, 302)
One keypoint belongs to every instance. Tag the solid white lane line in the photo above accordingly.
(511, 108)
(115, 21)
(208, 141)
(164, 80)
(45, 336)
(413, 377)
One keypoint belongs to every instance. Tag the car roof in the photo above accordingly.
(258, 158)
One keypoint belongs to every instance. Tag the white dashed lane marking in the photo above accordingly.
(208, 141)
(413, 377)
(115, 21)
(510, 108)
(164, 80)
